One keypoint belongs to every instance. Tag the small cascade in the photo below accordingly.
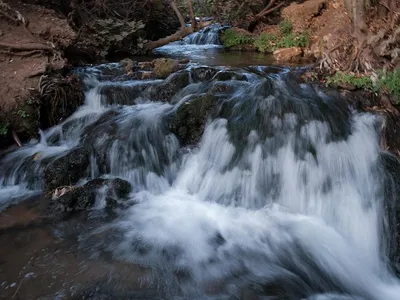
(239, 178)
(206, 36)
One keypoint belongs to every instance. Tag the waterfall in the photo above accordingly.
(284, 191)
(206, 36)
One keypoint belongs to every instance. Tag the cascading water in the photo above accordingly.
(284, 193)
(206, 36)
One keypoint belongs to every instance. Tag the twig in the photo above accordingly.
(19, 286)
(388, 8)
(16, 138)
(266, 12)
(269, 5)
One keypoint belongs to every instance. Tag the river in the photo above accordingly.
(267, 189)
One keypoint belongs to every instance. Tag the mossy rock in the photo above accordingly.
(163, 67)
(190, 118)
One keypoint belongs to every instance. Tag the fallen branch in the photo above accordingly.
(266, 11)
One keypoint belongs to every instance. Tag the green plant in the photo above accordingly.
(231, 37)
(390, 82)
(294, 40)
(286, 27)
(23, 114)
(265, 42)
(4, 128)
(340, 78)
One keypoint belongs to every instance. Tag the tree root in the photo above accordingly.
(27, 47)
(23, 54)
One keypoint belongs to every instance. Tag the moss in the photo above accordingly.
(231, 38)
(189, 120)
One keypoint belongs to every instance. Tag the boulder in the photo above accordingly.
(84, 197)
(163, 67)
(188, 121)
(66, 170)
(288, 55)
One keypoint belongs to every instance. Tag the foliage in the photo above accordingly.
(286, 27)
(294, 40)
(341, 78)
(265, 42)
(390, 83)
(4, 128)
(385, 83)
(231, 37)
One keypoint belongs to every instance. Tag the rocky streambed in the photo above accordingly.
(201, 182)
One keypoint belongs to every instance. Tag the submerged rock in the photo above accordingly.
(83, 197)
(189, 120)
(66, 170)
(230, 75)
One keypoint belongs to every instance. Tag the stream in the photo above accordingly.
(245, 184)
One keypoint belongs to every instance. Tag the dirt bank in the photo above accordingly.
(32, 41)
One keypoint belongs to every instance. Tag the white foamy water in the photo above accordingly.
(308, 228)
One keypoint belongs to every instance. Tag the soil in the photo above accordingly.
(20, 72)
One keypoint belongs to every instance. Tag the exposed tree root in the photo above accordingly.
(27, 47)
(23, 54)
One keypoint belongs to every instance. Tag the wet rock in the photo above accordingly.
(83, 197)
(121, 94)
(146, 66)
(229, 75)
(203, 73)
(184, 61)
(189, 120)
(128, 65)
(163, 67)
(98, 138)
(173, 84)
(145, 75)
(288, 55)
(66, 170)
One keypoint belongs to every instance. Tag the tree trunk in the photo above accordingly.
(178, 13)
(357, 14)
(192, 17)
